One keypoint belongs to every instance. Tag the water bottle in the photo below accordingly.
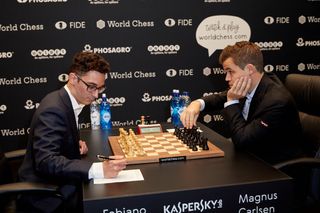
(175, 108)
(95, 115)
(185, 100)
(105, 113)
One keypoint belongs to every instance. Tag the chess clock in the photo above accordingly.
(149, 128)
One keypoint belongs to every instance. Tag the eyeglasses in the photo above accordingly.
(92, 87)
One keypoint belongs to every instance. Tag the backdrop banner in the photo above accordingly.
(153, 47)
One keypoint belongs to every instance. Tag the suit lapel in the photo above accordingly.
(257, 97)
(67, 102)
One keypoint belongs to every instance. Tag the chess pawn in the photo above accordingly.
(142, 120)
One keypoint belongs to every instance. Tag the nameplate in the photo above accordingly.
(170, 159)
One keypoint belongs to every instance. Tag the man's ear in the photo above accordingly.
(72, 78)
(250, 68)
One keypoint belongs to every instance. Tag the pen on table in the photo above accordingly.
(103, 157)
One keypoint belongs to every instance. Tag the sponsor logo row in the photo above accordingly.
(170, 73)
(156, 49)
(135, 23)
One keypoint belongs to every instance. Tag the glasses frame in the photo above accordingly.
(91, 87)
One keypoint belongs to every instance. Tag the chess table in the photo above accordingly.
(237, 182)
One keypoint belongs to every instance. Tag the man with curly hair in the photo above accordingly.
(54, 146)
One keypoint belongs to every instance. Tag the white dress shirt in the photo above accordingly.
(96, 169)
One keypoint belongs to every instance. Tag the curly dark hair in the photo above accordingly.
(84, 62)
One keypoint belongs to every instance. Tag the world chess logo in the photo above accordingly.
(301, 67)
(302, 19)
(101, 24)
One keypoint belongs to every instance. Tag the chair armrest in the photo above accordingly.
(28, 187)
(305, 162)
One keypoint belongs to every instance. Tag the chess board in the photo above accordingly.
(163, 147)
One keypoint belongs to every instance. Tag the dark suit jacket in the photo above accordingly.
(272, 130)
(53, 154)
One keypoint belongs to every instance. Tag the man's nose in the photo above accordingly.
(227, 78)
(96, 94)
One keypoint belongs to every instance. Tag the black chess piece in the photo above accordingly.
(204, 144)
(194, 147)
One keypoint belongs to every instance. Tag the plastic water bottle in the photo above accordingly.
(185, 100)
(175, 108)
(105, 113)
(95, 115)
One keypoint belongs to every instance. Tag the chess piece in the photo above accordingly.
(142, 120)
(204, 144)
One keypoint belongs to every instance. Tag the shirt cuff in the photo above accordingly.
(228, 103)
(96, 171)
(202, 104)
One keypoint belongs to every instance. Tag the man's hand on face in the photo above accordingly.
(240, 88)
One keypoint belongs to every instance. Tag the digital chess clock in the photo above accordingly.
(149, 128)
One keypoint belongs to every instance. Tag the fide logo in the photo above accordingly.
(61, 25)
(3, 108)
(171, 72)
(170, 22)
(268, 68)
(63, 77)
(30, 105)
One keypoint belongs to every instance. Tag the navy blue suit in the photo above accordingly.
(272, 130)
(53, 154)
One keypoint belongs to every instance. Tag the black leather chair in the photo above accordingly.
(305, 89)
(10, 188)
